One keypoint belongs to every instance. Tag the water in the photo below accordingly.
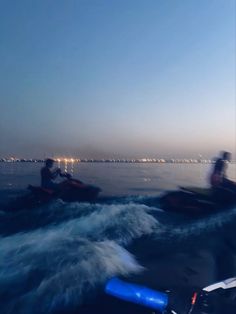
(57, 258)
(115, 178)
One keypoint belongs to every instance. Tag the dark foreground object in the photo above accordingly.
(74, 191)
(209, 300)
(197, 201)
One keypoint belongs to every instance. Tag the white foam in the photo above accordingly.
(197, 226)
(57, 265)
(64, 268)
(121, 223)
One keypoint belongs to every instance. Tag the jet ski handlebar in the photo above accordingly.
(202, 301)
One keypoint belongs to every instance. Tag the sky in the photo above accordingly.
(117, 79)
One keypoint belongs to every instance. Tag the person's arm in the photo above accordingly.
(65, 175)
(55, 173)
(224, 168)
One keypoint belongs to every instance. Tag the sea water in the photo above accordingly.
(58, 257)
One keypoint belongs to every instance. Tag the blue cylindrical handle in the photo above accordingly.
(137, 294)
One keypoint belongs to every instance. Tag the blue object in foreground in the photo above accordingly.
(137, 294)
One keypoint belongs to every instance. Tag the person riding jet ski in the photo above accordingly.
(48, 176)
(218, 178)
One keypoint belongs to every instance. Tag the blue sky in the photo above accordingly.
(115, 78)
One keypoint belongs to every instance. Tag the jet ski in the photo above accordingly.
(195, 201)
(72, 191)
(209, 300)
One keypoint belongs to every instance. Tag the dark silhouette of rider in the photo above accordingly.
(218, 178)
(48, 176)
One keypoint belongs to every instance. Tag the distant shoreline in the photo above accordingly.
(142, 160)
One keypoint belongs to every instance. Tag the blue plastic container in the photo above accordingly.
(137, 294)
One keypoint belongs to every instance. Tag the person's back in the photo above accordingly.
(218, 177)
(47, 176)
(218, 172)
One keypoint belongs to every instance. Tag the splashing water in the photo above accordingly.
(43, 271)
(57, 266)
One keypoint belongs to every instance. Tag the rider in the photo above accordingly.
(218, 178)
(48, 176)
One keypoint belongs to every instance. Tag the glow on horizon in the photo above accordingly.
(118, 79)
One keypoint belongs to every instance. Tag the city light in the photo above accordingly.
(73, 160)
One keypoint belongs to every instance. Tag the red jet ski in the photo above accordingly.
(194, 201)
(71, 190)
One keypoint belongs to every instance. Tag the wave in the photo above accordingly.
(45, 271)
(113, 221)
(62, 253)
(120, 223)
(59, 265)
(183, 229)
